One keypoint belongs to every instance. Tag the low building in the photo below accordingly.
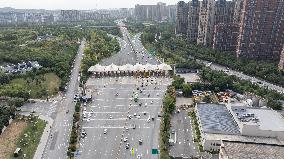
(248, 150)
(219, 122)
(215, 119)
(254, 121)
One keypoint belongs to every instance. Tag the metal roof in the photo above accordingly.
(215, 118)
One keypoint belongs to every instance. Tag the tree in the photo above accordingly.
(186, 88)
(276, 105)
(207, 99)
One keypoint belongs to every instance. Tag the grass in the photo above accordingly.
(30, 138)
(42, 85)
(8, 139)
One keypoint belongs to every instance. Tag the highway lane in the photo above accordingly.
(59, 137)
(106, 103)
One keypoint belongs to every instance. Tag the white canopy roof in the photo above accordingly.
(138, 67)
(129, 67)
(96, 68)
(111, 67)
(165, 67)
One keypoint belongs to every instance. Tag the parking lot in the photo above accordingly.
(114, 122)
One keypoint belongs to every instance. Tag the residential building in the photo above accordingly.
(223, 12)
(261, 29)
(172, 12)
(206, 23)
(238, 7)
(225, 36)
(182, 17)
(70, 15)
(249, 150)
(159, 12)
(193, 19)
(281, 63)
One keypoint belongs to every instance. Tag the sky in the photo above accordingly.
(77, 4)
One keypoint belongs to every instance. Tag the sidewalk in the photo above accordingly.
(44, 138)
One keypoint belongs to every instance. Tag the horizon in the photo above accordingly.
(79, 5)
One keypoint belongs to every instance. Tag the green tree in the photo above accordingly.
(186, 88)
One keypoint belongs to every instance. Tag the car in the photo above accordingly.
(139, 157)
(140, 104)
(110, 117)
(85, 116)
(127, 146)
(135, 114)
(88, 120)
(138, 116)
(151, 102)
(146, 104)
(105, 131)
(134, 126)
(173, 131)
(157, 94)
(144, 113)
(148, 120)
(85, 109)
(85, 104)
(129, 116)
(153, 118)
(125, 139)
(140, 141)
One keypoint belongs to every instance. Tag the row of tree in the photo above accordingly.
(100, 45)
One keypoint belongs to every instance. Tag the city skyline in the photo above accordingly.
(79, 5)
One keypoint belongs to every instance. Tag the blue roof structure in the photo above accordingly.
(216, 119)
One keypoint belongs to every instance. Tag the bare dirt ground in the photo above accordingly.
(9, 138)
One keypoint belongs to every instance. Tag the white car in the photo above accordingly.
(110, 117)
(105, 131)
(88, 120)
(85, 109)
(125, 139)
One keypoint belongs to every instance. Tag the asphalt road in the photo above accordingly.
(132, 51)
(106, 104)
(241, 75)
(184, 145)
(59, 137)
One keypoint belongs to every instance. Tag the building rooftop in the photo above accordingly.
(240, 150)
(261, 117)
(242, 138)
(215, 118)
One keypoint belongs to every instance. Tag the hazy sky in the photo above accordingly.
(78, 4)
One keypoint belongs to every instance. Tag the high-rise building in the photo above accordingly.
(172, 12)
(206, 22)
(223, 12)
(225, 36)
(182, 17)
(261, 29)
(193, 19)
(238, 7)
(281, 63)
(159, 12)
(70, 15)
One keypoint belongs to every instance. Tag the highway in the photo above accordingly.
(110, 111)
(60, 131)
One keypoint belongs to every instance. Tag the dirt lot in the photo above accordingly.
(9, 138)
